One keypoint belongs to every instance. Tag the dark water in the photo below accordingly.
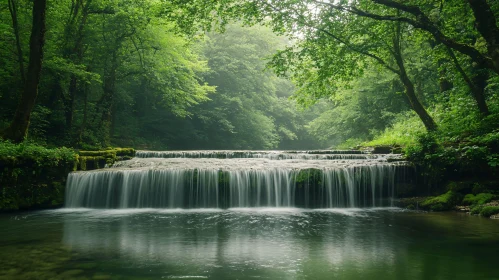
(247, 244)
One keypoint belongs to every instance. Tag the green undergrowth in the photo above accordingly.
(488, 211)
(485, 210)
(403, 132)
(33, 176)
(479, 199)
(478, 204)
(41, 156)
(442, 202)
(465, 145)
(460, 153)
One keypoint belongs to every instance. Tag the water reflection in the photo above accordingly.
(279, 244)
(247, 244)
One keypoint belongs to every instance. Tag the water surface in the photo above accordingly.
(262, 243)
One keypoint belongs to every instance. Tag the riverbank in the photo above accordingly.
(452, 173)
(472, 198)
(34, 177)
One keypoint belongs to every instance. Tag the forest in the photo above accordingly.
(421, 76)
(249, 139)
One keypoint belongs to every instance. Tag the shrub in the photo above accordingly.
(488, 211)
(476, 210)
(442, 202)
(478, 199)
(42, 156)
(478, 188)
(33, 176)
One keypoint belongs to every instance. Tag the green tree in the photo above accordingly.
(18, 129)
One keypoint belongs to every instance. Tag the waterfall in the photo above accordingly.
(256, 180)
(319, 154)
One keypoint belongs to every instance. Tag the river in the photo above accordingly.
(247, 243)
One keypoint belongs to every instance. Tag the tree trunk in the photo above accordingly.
(15, 26)
(443, 82)
(480, 83)
(69, 104)
(476, 86)
(74, 51)
(416, 105)
(85, 114)
(18, 129)
(107, 99)
(486, 24)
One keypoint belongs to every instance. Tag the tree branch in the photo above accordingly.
(353, 48)
(337, 38)
(421, 22)
(487, 26)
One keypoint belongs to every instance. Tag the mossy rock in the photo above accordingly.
(111, 153)
(488, 211)
(34, 183)
(396, 159)
(382, 150)
(308, 176)
(93, 162)
(442, 202)
(90, 160)
(106, 153)
(397, 150)
(125, 152)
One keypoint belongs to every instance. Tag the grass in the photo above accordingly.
(403, 132)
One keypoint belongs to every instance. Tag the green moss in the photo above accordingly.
(488, 211)
(82, 163)
(476, 210)
(442, 202)
(223, 177)
(111, 153)
(32, 176)
(478, 199)
(308, 176)
(89, 160)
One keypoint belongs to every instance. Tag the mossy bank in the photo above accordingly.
(34, 177)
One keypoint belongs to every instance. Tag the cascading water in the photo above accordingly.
(227, 179)
(319, 154)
